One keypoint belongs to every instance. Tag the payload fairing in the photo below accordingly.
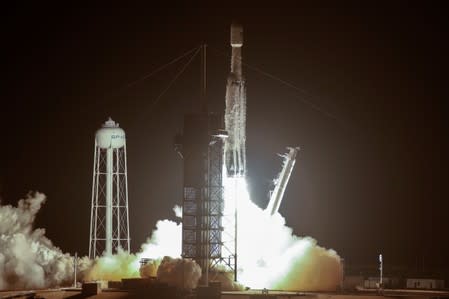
(235, 114)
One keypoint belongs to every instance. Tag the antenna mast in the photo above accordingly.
(204, 77)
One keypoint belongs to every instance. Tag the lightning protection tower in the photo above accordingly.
(109, 219)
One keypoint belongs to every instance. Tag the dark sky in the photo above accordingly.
(372, 177)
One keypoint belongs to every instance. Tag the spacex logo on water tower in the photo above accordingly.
(109, 224)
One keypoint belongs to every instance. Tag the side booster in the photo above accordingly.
(235, 114)
(282, 180)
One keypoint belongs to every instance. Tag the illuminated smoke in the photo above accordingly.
(150, 268)
(165, 241)
(114, 267)
(270, 255)
(163, 250)
(182, 273)
(28, 259)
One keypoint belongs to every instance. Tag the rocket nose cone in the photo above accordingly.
(236, 35)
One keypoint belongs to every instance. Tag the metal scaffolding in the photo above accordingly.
(203, 198)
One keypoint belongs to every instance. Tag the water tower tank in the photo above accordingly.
(110, 135)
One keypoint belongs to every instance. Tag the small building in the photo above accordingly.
(387, 282)
(424, 283)
(371, 283)
(91, 288)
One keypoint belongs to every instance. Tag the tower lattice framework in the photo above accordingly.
(203, 193)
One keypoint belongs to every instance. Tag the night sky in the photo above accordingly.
(372, 175)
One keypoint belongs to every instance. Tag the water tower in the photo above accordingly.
(109, 219)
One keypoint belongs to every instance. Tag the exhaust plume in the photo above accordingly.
(270, 255)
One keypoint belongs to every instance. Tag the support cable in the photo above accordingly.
(143, 78)
(121, 89)
(176, 76)
(288, 84)
(181, 71)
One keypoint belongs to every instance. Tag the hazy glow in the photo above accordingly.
(165, 241)
(114, 267)
(269, 255)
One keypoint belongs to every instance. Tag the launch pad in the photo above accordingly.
(250, 294)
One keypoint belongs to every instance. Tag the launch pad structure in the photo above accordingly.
(201, 147)
(209, 153)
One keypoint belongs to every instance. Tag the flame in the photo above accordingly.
(269, 254)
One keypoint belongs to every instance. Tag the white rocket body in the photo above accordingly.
(235, 114)
(282, 180)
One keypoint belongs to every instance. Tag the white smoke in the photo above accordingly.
(178, 211)
(271, 256)
(165, 240)
(182, 273)
(163, 251)
(162, 248)
(28, 259)
(114, 267)
(149, 269)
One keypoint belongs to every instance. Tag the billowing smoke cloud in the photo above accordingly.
(311, 268)
(114, 267)
(271, 256)
(163, 250)
(182, 273)
(27, 258)
(150, 268)
(165, 240)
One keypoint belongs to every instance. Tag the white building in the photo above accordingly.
(424, 283)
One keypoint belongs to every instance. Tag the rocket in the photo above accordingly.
(282, 180)
(235, 113)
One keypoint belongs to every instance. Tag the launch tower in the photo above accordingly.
(201, 147)
(109, 219)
